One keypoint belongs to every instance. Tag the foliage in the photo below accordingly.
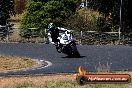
(38, 13)
(104, 25)
(83, 20)
(6, 10)
(112, 7)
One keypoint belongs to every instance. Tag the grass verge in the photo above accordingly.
(54, 81)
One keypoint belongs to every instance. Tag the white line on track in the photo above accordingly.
(49, 64)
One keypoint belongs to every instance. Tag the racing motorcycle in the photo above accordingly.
(66, 44)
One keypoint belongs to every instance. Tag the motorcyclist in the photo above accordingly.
(54, 32)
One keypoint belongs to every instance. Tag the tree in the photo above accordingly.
(112, 7)
(38, 13)
(6, 10)
(83, 20)
(127, 16)
(19, 6)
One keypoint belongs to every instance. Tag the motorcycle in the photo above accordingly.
(66, 44)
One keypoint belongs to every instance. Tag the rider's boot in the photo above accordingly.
(59, 47)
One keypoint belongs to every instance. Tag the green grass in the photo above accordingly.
(65, 84)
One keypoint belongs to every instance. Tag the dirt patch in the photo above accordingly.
(14, 62)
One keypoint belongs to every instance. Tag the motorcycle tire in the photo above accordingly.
(74, 52)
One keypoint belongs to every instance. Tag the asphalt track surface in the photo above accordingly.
(93, 58)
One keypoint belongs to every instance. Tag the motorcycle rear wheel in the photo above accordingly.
(74, 52)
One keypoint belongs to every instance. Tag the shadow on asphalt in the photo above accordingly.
(73, 57)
